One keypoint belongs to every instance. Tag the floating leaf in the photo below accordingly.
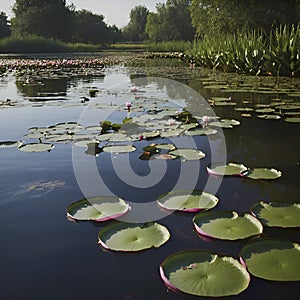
(292, 120)
(119, 149)
(227, 225)
(97, 209)
(171, 133)
(129, 237)
(84, 143)
(263, 173)
(163, 156)
(265, 110)
(272, 259)
(201, 131)
(168, 147)
(225, 123)
(36, 147)
(188, 154)
(187, 200)
(10, 144)
(229, 169)
(150, 135)
(269, 117)
(278, 214)
(204, 273)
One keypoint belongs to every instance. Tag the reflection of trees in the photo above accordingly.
(50, 86)
(42, 86)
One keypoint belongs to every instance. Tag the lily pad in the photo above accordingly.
(97, 209)
(269, 117)
(225, 123)
(265, 110)
(272, 259)
(263, 173)
(187, 200)
(119, 149)
(204, 273)
(278, 214)
(201, 131)
(171, 133)
(168, 147)
(10, 144)
(292, 120)
(163, 156)
(227, 170)
(36, 147)
(129, 237)
(150, 135)
(188, 154)
(227, 225)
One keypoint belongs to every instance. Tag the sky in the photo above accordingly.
(114, 11)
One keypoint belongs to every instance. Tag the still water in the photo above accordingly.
(43, 255)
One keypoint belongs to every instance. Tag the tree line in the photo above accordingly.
(173, 20)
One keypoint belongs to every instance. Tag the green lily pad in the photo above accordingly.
(119, 149)
(187, 200)
(263, 173)
(168, 147)
(269, 117)
(225, 123)
(227, 170)
(265, 110)
(129, 237)
(84, 143)
(244, 109)
(277, 214)
(272, 259)
(150, 135)
(204, 273)
(227, 225)
(292, 120)
(201, 131)
(171, 133)
(163, 156)
(188, 154)
(97, 209)
(10, 144)
(36, 147)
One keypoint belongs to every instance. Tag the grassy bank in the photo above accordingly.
(34, 44)
(277, 53)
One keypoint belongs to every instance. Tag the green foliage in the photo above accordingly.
(55, 20)
(89, 27)
(171, 22)
(36, 44)
(49, 19)
(135, 30)
(215, 17)
(4, 26)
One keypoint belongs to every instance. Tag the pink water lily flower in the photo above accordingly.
(171, 122)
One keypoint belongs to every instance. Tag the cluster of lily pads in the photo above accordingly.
(201, 272)
(20, 64)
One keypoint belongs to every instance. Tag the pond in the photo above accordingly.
(46, 255)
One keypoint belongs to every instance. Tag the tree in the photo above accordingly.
(90, 28)
(172, 21)
(135, 30)
(4, 25)
(50, 19)
(219, 17)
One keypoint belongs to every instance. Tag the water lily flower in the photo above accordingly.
(133, 89)
(205, 121)
(171, 122)
(128, 105)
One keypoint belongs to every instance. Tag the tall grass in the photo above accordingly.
(36, 44)
(172, 46)
(251, 52)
